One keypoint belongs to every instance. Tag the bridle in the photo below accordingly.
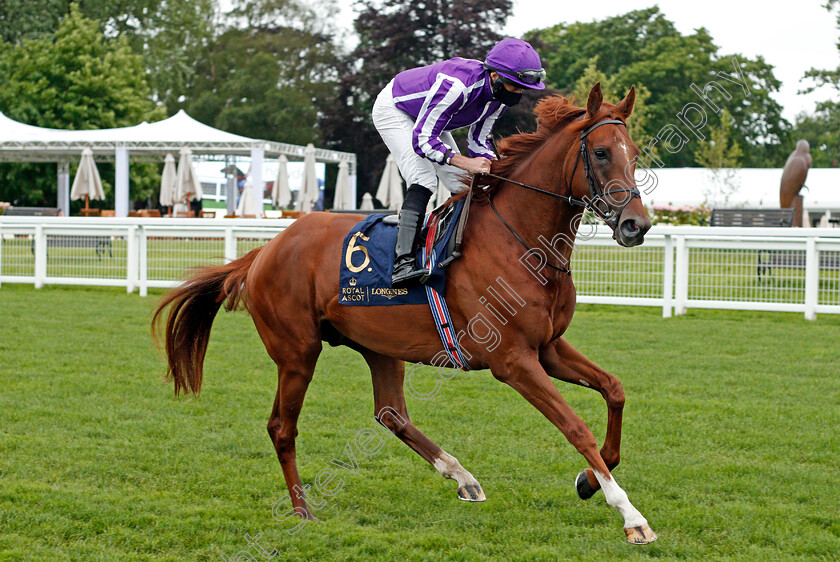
(596, 202)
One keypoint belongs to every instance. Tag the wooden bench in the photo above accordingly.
(32, 211)
(752, 217)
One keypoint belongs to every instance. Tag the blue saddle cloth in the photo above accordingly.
(367, 261)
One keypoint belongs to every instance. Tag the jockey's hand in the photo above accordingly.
(477, 165)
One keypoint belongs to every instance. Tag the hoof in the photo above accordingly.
(640, 535)
(471, 493)
(584, 487)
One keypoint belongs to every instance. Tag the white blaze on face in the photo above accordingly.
(617, 498)
(450, 468)
(624, 147)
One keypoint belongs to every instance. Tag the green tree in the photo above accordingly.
(721, 155)
(567, 49)
(590, 76)
(263, 78)
(721, 151)
(644, 49)
(29, 19)
(167, 33)
(76, 80)
(822, 128)
(614, 93)
(830, 77)
(822, 131)
(172, 39)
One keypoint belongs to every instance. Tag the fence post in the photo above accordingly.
(812, 277)
(668, 278)
(131, 258)
(143, 273)
(40, 256)
(230, 245)
(681, 276)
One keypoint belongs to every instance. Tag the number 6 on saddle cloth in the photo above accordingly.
(367, 259)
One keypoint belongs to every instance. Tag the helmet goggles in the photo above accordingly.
(529, 77)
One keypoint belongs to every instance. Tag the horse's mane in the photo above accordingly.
(553, 114)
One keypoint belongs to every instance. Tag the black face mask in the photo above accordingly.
(503, 95)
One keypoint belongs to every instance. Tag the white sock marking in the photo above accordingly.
(450, 468)
(617, 498)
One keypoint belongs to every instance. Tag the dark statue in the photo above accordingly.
(793, 179)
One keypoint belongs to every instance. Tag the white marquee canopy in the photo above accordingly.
(20, 142)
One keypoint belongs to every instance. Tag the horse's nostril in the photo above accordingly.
(630, 229)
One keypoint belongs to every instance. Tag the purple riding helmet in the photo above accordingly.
(516, 61)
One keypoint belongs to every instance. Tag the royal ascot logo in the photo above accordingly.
(352, 281)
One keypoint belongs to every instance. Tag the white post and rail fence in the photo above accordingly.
(678, 268)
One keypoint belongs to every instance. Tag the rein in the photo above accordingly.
(565, 270)
(596, 201)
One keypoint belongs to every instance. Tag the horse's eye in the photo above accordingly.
(600, 153)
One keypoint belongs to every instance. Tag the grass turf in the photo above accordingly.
(730, 444)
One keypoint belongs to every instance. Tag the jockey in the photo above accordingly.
(415, 113)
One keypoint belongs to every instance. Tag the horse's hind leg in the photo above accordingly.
(388, 374)
(295, 349)
(564, 362)
(293, 380)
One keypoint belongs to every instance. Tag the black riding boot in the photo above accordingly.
(413, 210)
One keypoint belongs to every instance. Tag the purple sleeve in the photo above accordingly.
(478, 143)
(444, 99)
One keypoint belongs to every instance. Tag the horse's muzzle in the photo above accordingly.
(631, 230)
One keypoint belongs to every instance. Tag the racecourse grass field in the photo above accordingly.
(730, 444)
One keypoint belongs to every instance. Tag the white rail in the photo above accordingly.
(778, 269)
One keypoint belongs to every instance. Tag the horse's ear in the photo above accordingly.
(625, 106)
(593, 104)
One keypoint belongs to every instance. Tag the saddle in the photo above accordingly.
(368, 257)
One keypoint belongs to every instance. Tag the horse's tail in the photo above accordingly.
(192, 307)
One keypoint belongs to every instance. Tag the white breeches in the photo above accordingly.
(395, 127)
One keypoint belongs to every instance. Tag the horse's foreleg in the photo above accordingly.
(390, 410)
(527, 376)
(562, 361)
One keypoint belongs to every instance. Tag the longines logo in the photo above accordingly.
(387, 292)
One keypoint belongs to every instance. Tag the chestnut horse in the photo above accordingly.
(536, 192)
